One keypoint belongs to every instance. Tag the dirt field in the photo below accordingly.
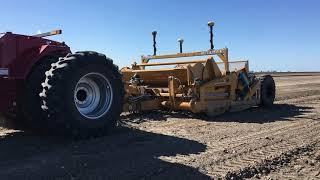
(278, 143)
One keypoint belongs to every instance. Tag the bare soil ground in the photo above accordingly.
(278, 143)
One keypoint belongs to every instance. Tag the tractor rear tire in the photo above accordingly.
(82, 95)
(29, 111)
(268, 91)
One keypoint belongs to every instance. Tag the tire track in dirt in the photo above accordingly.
(273, 164)
(305, 164)
(234, 140)
(300, 133)
(243, 159)
(253, 158)
(251, 152)
(256, 135)
(252, 148)
(274, 134)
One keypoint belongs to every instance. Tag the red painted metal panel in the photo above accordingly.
(9, 90)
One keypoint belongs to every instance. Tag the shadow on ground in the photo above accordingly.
(279, 112)
(127, 154)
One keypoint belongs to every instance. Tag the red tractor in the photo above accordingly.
(80, 94)
(83, 94)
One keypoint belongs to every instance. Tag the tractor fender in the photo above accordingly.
(45, 51)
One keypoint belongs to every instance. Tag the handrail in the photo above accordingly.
(185, 62)
(145, 59)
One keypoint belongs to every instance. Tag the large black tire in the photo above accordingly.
(268, 90)
(29, 112)
(62, 95)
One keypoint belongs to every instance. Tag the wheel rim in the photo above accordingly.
(93, 95)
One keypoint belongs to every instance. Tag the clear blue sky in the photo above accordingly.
(273, 35)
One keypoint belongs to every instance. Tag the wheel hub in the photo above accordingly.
(93, 95)
(82, 95)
